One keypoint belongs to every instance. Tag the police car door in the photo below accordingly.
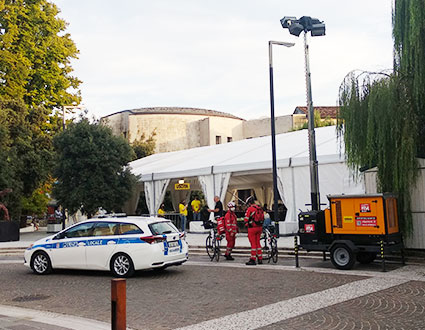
(69, 247)
(101, 245)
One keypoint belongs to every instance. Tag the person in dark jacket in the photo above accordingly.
(218, 208)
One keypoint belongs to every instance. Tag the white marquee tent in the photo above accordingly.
(247, 162)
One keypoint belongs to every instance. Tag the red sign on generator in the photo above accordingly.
(364, 207)
(309, 228)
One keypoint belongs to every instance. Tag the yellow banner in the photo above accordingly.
(182, 186)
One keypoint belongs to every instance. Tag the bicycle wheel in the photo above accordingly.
(217, 250)
(209, 245)
(274, 250)
(266, 250)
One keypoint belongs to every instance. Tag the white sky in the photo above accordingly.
(213, 54)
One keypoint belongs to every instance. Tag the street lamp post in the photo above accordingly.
(317, 28)
(314, 170)
(273, 131)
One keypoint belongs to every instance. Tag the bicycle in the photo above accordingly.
(212, 242)
(270, 244)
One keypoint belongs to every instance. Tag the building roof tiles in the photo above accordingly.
(325, 112)
(178, 110)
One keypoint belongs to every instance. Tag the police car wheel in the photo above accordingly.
(40, 263)
(122, 265)
(342, 257)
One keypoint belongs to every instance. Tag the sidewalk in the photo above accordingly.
(194, 240)
(198, 240)
(30, 319)
(26, 239)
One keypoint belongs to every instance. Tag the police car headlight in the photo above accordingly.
(30, 247)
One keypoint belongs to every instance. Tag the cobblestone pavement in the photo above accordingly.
(203, 291)
(400, 307)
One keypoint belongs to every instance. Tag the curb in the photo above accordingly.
(28, 229)
(55, 319)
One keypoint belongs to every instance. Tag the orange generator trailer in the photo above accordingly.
(353, 227)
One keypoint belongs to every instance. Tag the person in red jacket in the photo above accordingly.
(230, 224)
(254, 218)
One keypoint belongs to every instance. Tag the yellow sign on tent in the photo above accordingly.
(182, 186)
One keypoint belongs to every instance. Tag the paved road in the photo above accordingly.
(229, 295)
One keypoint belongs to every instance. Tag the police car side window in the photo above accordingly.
(128, 229)
(104, 229)
(82, 230)
(159, 228)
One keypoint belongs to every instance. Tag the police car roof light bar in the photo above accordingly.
(111, 215)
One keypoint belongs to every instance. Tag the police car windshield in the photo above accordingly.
(160, 228)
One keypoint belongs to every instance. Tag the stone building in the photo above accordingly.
(176, 128)
(261, 127)
(179, 128)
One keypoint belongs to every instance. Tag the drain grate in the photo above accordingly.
(31, 297)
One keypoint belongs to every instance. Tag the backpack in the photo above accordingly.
(220, 225)
(258, 215)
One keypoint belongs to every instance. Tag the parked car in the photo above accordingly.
(119, 244)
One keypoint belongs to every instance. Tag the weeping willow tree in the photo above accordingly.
(409, 57)
(382, 115)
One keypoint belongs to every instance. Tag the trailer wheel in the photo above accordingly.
(365, 257)
(342, 257)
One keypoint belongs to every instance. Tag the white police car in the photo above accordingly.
(120, 244)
